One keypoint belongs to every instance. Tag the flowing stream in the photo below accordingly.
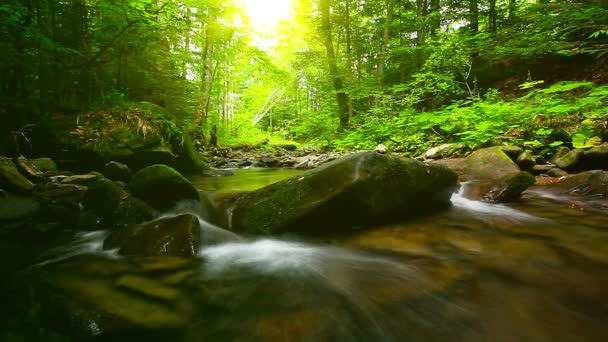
(536, 270)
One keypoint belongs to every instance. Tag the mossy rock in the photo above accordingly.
(570, 160)
(17, 207)
(488, 164)
(162, 187)
(512, 151)
(44, 164)
(11, 179)
(510, 188)
(117, 172)
(138, 134)
(348, 193)
(595, 158)
(106, 203)
(29, 170)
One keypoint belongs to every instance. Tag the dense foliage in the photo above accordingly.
(342, 73)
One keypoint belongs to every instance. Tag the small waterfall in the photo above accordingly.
(83, 243)
(489, 211)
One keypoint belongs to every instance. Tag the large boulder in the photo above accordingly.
(569, 160)
(11, 179)
(17, 207)
(596, 158)
(105, 204)
(138, 134)
(162, 187)
(351, 192)
(117, 172)
(44, 164)
(488, 164)
(175, 236)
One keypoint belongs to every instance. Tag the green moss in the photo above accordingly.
(161, 186)
(345, 193)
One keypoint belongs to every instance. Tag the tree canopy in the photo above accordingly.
(348, 73)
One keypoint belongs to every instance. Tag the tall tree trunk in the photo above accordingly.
(421, 12)
(349, 56)
(202, 112)
(492, 17)
(386, 35)
(511, 9)
(435, 12)
(474, 16)
(341, 96)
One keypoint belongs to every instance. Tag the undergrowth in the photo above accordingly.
(565, 113)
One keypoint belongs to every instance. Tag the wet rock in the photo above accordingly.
(509, 188)
(54, 190)
(106, 203)
(29, 169)
(595, 158)
(11, 179)
(561, 151)
(437, 152)
(488, 164)
(288, 147)
(542, 168)
(525, 161)
(161, 187)
(175, 236)
(588, 183)
(117, 172)
(81, 179)
(570, 159)
(350, 192)
(270, 162)
(150, 156)
(557, 172)
(14, 207)
(44, 164)
(302, 165)
(512, 151)
(50, 174)
(381, 149)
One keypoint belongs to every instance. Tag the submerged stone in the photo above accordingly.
(345, 194)
(91, 297)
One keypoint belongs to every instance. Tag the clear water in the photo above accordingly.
(244, 179)
(536, 270)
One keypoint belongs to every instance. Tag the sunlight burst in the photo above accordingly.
(266, 14)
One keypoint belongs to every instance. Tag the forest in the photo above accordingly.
(303, 170)
(332, 74)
